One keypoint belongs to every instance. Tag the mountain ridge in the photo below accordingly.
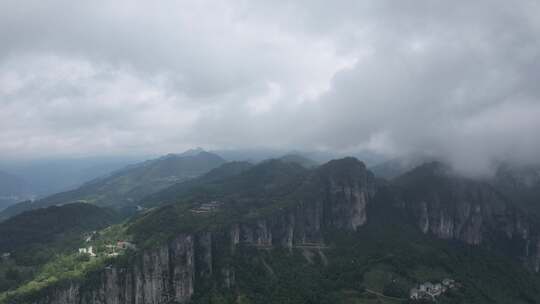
(275, 213)
(124, 187)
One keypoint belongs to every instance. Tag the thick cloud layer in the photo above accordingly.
(456, 80)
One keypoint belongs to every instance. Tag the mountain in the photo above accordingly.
(125, 187)
(299, 159)
(192, 152)
(520, 183)
(211, 179)
(239, 182)
(393, 168)
(276, 232)
(448, 206)
(12, 189)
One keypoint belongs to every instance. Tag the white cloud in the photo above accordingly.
(453, 79)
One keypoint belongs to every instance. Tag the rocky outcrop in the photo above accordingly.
(161, 275)
(348, 188)
(335, 196)
(451, 207)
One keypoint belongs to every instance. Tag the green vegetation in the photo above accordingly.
(41, 245)
(299, 159)
(124, 188)
(63, 269)
(12, 275)
(68, 267)
(33, 236)
(254, 193)
(211, 181)
(377, 264)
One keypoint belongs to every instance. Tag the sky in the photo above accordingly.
(456, 80)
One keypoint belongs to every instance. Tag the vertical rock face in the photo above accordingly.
(263, 234)
(66, 295)
(451, 207)
(183, 267)
(336, 195)
(348, 188)
(155, 275)
(308, 219)
(203, 258)
(162, 275)
(462, 221)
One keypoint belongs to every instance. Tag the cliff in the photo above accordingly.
(337, 195)
(161, 275)
(448, 206)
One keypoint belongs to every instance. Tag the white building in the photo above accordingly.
(89, 251)
(430, 291)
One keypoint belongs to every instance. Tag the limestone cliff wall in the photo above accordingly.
(161, 275)
(339, 198)
(171, 272)
(476, 214)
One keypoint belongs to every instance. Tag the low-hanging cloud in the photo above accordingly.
(456, 80)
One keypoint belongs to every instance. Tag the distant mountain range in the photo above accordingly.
(125, 187)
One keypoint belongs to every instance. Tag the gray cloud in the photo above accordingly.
(456, 80)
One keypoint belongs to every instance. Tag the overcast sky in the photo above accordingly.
(455, 79)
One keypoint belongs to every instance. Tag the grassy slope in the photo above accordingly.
(69, 266)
